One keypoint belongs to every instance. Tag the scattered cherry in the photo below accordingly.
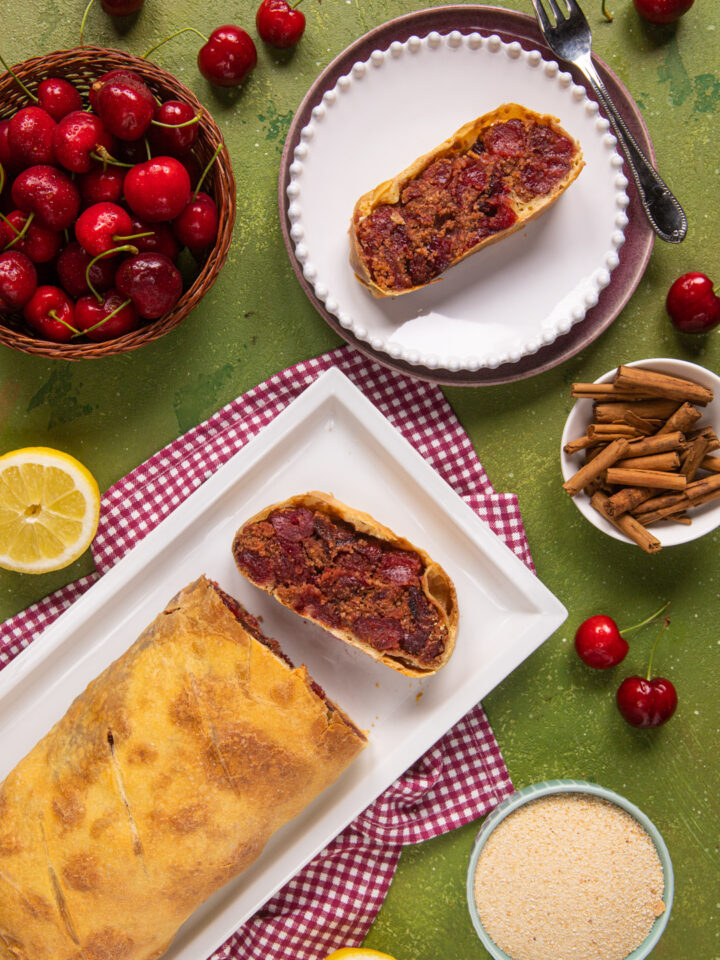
(51, 312)
(48, 193)
(126, 107)
(121, 8)
(102, 227)
(58, 97)
(662, 11)
(228, 56)
(39, 243)
(646, 702)
(112, 317)
(152, 281)
(158, 189)
(692, 304)
(30, 136)
(77, 137)
(102, 185)
(179, 132)
(18, 280)
(72, 264)
(279, 24)
(196, 227)
(599, 642)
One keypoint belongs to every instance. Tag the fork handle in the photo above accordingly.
(665, 214)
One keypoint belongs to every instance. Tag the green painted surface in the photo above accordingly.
(552, 717)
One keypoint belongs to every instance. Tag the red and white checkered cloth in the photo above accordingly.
(333, 900)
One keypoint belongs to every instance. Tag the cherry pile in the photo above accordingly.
(96, 205)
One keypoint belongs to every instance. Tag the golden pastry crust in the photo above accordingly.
(163, 781)
(458, 145)
(437, 586)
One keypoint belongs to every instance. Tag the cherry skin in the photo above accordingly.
(78, 135)
(58, 97)
(126, 107)
(39, 243)
(89, 313)
(152, 281)
(30, 136)
(71, 267)
(599, 643)
(39, 310)
(646, 703)
(228, 56)
(7, 156)
(161, 239)
(49, 193)
(158, 189)
(18, 280)
(662, 11)
(692, 304)
(6, 234)
(117, 73)
(173, 142)
(279, 24)
(102, 186)
(197, 226)
(121, 8)
(101, 227)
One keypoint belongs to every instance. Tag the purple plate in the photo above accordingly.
(634, 254)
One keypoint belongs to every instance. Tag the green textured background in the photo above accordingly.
(552, 717)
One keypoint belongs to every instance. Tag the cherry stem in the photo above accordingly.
(104, 319)
(147, 148)
(177, 126)
(211, 161)
(53, 314)
(102, 155)
(172, 37)
(605, 12)
(17, 79)
(106, 253)
(663, 628)
(648, 620)
(133, 236)
(294, 6)
(26, 227)
(9, 223)
(84, 19)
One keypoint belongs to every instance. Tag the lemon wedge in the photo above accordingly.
(358, 953)
(49, 509)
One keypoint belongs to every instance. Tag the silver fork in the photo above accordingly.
(570, 39)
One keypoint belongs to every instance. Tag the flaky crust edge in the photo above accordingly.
(459, 143)
(437, 585)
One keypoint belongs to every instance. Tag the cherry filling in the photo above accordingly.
(324, 569)
(457, 202)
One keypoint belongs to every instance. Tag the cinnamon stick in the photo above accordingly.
(660, 480)
(693, 457)
(605, 429)
(659, 503)
(711, 463)
(606, 458)
(601, 391)
(655, 461)
(580, 443)
(629, 526)
(647, 409)
(657, 444)
(626, 500)
(666, 386)
(642, 424)
(682, 419)
(698, 488)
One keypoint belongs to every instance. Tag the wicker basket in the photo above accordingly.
(82, 66)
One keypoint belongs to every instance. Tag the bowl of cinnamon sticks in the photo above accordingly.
(639, 452)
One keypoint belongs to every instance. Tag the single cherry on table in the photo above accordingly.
(279, 24)
(600, 643)
(692, 304)
(227, 57)
(662, 11)
(647, 701)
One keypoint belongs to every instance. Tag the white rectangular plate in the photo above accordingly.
(331, 438)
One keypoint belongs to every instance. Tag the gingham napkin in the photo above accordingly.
(333, 900)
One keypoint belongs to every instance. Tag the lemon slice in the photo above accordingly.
(49, 509)
(358, 953)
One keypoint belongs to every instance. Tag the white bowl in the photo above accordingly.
(704, 518)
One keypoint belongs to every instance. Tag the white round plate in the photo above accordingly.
(508, 300)
(704, 518)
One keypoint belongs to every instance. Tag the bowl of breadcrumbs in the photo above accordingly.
(567, 870)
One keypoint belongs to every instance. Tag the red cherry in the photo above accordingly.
(78, 135)
(97, 86)
(18, 280)
(6, 234)
(58, 97)
(121, 8)
(160, 240)
(49, 193)
(102, 185)
(51, 312)
(72, 264)
(30, 136)
(599, 643)
(228, 56)
(197, 226)
(279, 24)
(193, 167)
(126, 107)
(7, 157)
(111, 318)
(152, 281)
(39, 243)
(662, 11)
(102, 227)
(646, 703)
(158, 189)
(176, 141)
(692, 304)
